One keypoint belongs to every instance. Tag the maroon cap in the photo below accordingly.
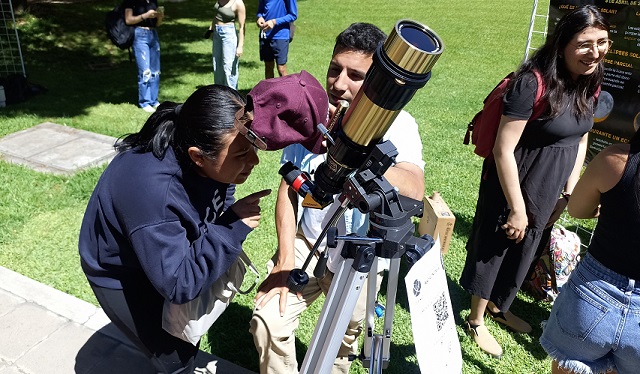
(287, 110)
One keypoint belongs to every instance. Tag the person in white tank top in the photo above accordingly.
(228, 43)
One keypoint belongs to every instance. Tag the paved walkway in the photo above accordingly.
(57, 149)
(46, 331)
(43, 330)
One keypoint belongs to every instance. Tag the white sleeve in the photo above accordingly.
(404, 135)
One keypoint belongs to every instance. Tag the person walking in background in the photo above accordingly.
(593, 326)
(533, 163)
(274, 21)
(162, 223)
(145, 16)
(277, 313)
(228, 44)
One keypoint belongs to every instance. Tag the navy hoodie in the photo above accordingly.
(150, 217)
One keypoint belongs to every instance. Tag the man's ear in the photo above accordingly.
(196, 155)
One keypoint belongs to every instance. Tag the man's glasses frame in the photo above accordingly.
(243, 119)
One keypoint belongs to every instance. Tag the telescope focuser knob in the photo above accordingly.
(297, 280)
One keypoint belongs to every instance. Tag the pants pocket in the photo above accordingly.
(578, 311)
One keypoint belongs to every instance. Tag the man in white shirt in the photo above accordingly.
(275, 319)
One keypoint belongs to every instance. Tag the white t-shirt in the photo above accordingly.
(404, 135)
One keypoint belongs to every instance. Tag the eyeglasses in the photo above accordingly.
(602, 45)
(242, 121)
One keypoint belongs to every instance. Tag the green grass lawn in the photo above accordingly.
(92, 86)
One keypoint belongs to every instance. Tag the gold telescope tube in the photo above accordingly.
(400, 67)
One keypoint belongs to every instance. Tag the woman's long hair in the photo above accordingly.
(202, 121)
(560, 88)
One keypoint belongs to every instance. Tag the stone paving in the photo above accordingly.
(45, 331)
(57, 149)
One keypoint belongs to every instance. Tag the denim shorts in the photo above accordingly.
(595, 321)
(274, 49)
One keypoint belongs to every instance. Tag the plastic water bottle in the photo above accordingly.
(3, 98)
(379, 309)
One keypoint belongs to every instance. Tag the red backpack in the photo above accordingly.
(483, 128)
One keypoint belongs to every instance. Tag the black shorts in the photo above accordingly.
(274, 49)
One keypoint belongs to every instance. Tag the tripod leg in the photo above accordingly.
(334, 319)
(369, 326)
(376, 355)
(392, 290)
(376, 348)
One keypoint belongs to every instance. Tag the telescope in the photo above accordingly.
(354, 167)
(401, 66)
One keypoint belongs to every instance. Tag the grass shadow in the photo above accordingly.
(229, 337)
(80, 68)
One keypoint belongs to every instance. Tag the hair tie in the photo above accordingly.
(177, 109)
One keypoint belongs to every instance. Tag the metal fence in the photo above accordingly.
(11, 61)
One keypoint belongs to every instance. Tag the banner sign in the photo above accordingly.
(617, 114)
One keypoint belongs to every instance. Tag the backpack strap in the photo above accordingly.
(539, 105)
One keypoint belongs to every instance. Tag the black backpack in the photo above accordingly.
(17, 89)
(120, 34)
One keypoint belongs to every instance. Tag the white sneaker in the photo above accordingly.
(148, 109)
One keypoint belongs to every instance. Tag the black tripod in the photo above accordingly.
(390, 236)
